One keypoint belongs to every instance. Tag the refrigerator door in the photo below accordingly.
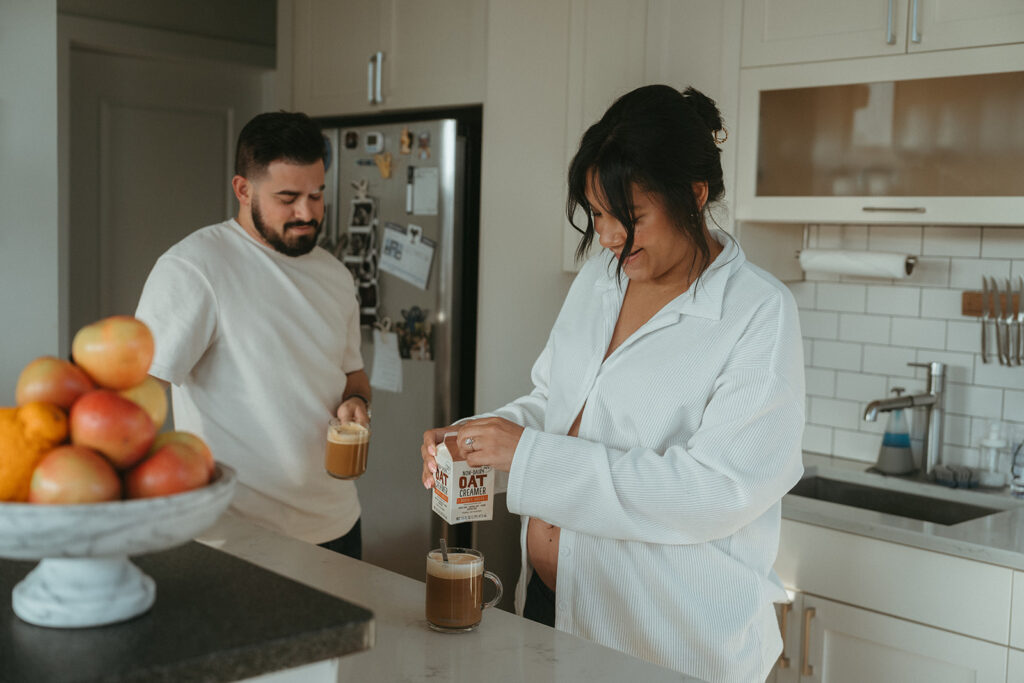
(397, 518)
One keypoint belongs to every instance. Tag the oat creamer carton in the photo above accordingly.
(461, 493)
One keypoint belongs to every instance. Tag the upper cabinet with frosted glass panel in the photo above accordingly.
(922, 137)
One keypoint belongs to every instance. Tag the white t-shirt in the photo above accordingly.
(669, 500)
(257, 346)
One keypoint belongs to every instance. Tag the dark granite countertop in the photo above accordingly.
(216, 618)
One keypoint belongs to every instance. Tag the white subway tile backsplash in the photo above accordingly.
(856, 445)
(992, 374)
(828, 237)
(952, 241)
(864, 328)
(927, 334)
(857, 386)
(841, 297)
(901, 238)
(929, 272)
(817, 439)
(837, 355)
(894, 300)
(1002, 243)
(820, 382)
(957, 455)
(888, 360)
(1013, 406)
(819, 324)
(967, 273)
(835, 413)
(803, 292)
(966, 399)
(959, 366)
(941, 303)
(958, 430)
(964, 336)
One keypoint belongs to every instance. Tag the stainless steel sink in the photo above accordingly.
(899, 503)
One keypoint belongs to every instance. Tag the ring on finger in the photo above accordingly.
(468, 443)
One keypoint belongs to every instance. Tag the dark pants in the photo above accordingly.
(350, 544)
(540, 602)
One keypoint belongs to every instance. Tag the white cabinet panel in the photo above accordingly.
(1015, 666)
(946, 24)
(851, 645)
(1017, 612)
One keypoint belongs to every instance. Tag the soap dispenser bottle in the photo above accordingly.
(895, 456)
(992, 447)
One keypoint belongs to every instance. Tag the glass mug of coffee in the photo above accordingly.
(455, 600)
(347, 446)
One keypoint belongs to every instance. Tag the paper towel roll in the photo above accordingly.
(882, 264)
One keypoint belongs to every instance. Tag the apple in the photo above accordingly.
(187, 439)
(113, 425)
(52, 380)
(150, 395)
(115, 352)
(171, 468)
(74, 474)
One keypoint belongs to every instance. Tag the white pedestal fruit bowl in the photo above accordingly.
(84, 577)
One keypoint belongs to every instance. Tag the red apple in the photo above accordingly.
(115, 352)
(74, 474)
(113, 425)
(171, 468)
(190, 440)
(150, 395)
(52, 380)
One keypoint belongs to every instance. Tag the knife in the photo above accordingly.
(984, 318)
(1009, 319)
(1019, 316)
(993, 293)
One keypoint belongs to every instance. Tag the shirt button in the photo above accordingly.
(563, 605)
(565, 551)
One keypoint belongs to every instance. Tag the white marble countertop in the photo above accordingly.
(996, 538)
(504, 648)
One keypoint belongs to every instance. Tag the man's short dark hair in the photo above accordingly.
(277, 136)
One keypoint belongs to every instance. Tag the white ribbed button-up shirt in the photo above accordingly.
(669, 500)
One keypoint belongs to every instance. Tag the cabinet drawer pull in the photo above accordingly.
(900, 209)
(915, 34)
(369, 79)
(806, 669)
(890, 31)
(783, 659)
(380, 67)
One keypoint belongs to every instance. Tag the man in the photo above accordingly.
(257, 331)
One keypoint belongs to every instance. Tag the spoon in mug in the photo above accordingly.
(444, 550)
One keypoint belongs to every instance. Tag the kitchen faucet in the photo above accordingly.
(931, 403)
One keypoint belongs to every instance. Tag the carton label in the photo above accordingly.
(461, 493)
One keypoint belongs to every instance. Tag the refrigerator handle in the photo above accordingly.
(369, 79)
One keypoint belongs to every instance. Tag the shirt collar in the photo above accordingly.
(703, 300)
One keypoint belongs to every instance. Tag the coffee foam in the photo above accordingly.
(459, 566)
(349, 432)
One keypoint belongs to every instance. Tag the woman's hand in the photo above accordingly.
(431, 438)
(489, 441)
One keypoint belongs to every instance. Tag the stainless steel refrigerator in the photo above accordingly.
(408, 181)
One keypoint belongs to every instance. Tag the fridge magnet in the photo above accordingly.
(406, 253)
(405, 141)
(383, 162)
(386, 373)
(361, 187)
(374, 143)
(351, 139)
(362, 213)
(415, 335)
(423, 143)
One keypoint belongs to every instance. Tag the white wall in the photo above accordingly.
(30, 306)
(859, 335)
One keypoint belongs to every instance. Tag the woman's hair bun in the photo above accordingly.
(705, 107)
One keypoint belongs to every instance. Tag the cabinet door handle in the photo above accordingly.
(915, 34)
(380, 66)
(900, 209)
(890, 30)
(783, 659)
(805, 668)
(369, 79)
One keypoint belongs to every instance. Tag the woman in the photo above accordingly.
(664, 427)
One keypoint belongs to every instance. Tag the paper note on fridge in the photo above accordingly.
(407, 254)
(386, 373)
(424, 190)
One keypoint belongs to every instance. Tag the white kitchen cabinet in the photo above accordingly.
(369, 55)
(793, 31)
(1017, 613)
(1015, 666)
(926, 138)
(850, 645)
(787, 668)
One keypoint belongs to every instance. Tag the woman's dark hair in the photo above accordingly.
(277, 136)
(662, 141)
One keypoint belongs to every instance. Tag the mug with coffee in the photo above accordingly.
(347, 446)
(455, 600)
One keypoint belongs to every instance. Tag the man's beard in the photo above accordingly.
(294, 245)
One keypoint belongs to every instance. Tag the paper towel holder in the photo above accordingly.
(908, 264)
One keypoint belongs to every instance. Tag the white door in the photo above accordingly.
(851, 645)
(151, 157)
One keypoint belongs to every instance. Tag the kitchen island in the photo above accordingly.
(504, 648)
